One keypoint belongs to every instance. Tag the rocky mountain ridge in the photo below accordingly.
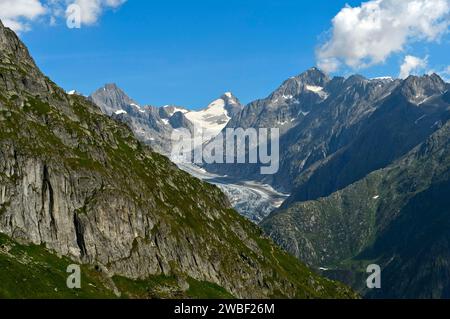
(154, 125)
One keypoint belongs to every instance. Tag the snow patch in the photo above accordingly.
(315, 89)
(384, 78)
(213, 119)
(175, 110)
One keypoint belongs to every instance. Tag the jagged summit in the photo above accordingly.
(111, 87)
(11, 45)
(314, 76)
(229, 96)
(232, 104)
(111, 99)
(355, 78)
(312, 80)
(418, 89)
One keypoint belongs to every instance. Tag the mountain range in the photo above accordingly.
(378, 194)
(78, 187)
(365, 162)
(154, 125)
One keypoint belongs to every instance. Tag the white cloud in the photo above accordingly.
(17, 14)
(445, 74)
(367, 35)
(92, 9)
(412, 64)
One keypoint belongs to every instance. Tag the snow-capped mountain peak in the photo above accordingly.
(216, 115)
(155, 124)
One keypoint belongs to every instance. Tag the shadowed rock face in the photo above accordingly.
(80, 184)
(384, 172)
(321, 119)
(396, 217)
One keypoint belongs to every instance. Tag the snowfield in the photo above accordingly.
(212, 120)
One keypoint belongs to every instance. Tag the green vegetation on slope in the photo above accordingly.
(33, 272)
(30, 271)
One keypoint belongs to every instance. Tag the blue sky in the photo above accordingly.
(190, 52)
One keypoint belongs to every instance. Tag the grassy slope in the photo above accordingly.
(33, 272)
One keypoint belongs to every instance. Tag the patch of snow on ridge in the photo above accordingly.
(303, 113)
(384, 78)
(72, 92)
(315, 89)
(120, 112)
(175, 110)
(217, 107)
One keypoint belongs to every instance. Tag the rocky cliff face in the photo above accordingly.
(78, 183)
